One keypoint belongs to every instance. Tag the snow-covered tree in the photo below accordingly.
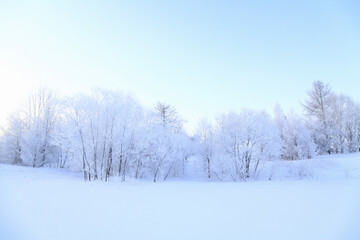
(106, 124)
(167, 115)
(106, 133)
(243, 141)
(205, 135)
(13, 139)
(31, 131)
(345, 114)
(297, 142)
(296, 139)
(333, 120)
(317, 109)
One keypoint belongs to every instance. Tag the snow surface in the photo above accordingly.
(37, 204)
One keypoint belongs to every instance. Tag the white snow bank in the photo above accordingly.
(320, 168)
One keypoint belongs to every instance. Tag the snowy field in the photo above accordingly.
(51, 204)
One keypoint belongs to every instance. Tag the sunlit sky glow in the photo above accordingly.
(203, 57)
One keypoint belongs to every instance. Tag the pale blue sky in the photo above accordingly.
(203, 57)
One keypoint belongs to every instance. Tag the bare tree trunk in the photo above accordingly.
(247, 164)
(95, 165)
(256, 166)
(109, 164)
(158, 168)
(34, 160)
(208, 168)
(120, 163)
(124, 170)
(138, 165)
(103, 152)
(84, 160)
(169, 170)
(156, 173)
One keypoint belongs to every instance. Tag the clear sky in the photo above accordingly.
(203, 57)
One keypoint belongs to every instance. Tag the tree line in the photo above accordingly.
(108, 133)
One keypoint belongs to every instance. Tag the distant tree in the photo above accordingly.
(345, 114)
(333, 120)
(296, 139)
(31, 131)
(297, 142)
(244, 140)
(317, 109)
(106, 126)
(13, 139)
(168, 116)
(205, 134)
